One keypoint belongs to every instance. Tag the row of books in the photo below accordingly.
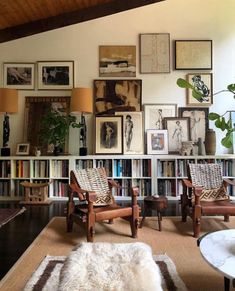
(83, 164)
(122, 168)
(5, 169)
(59, 188)
(166, 188)
(166, 169)
(60, 168)
(5, 188)
(41, 169)
(22, 169)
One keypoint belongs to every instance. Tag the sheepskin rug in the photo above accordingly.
(110, 267)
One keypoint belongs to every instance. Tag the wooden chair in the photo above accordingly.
(205, 193)
(96, 202)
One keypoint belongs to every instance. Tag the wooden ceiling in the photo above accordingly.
(20, 18)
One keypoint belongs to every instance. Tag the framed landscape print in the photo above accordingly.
(19, 76)
(203, 83)
(132, 132)
(111, 96)
(56, 75)
(108, 135)
(193, 54)
(157, 142)
(117, 61)
(154, 53)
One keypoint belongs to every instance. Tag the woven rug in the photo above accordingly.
(46, 277)
(7, 214)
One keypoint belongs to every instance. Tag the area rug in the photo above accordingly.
(7, 214)
(46, 277)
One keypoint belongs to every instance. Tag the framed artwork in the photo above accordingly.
(157, 142)
(55, 75)
(155, 113)
(193, 54)
(203, 83)
(132, 132)
(19, 76)
(233, 122)
(22, 149)
(117, 61)
(178, 131)
(154, 53)
(108, 135)
(117, 95)
(198, 121)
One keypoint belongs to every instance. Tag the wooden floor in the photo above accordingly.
(19, 233)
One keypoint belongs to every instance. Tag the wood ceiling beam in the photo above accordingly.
(70, 18)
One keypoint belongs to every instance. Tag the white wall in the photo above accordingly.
(183, 19)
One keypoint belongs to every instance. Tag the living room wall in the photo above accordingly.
(183, 19)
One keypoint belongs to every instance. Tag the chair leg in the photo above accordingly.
(184, 207)
(226, 218)
(90, 231)
(134, 221)
(197, 220)
(69, 219)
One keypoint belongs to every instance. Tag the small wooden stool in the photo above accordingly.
(35, 193)
(154, 203)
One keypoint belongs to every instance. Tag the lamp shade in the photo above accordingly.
(8, 100)
(81, 100)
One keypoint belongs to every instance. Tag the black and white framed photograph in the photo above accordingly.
(19, 76)
(132, 132)
(203, 83)
(108, 135)
(22, 149)
(55, 75)
(178, 131)
(155, 113)
(157, 142)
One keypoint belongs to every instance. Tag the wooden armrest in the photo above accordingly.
(229, 182)
(187, 183)
(112, 183)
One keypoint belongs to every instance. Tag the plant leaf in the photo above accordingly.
(197, 95)
(213, 116)
(184, 84)
(231, 87)
(227, 141)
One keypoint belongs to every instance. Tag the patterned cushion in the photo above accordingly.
(214, 194)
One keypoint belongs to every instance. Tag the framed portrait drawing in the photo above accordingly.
(19, 76)
(55, 75)
(117, 61)
(198, 121)
(155, 113)
(203, 83)
(193, 54)
(157, 142)
(108, 135)
(111, 96)
(154, 53)
(22, 149)
(178, 131)
(132, 132)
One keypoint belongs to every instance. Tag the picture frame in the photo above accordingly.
(111, 96)
(154, 53)
(203, 82)
(178, 131)
(108, 134)
(193, 55)
(154, 114)
(19, 76)
(117, 61)
(132, 132)
(22, 149)
(55, 75)
(157, 142)
(198, 121)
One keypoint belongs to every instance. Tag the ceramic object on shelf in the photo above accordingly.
(210, 142)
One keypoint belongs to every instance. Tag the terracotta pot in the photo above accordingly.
(210, 142)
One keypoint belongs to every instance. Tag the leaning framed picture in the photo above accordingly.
(157, 142)
(55, 75)
(132, 132)
(117, 61)
(178, 131)
(108, 135)
(193, 54)
(19, 76)
(204, 84)
(22, 149)
(155, 113)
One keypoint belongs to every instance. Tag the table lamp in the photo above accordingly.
(8, 104)
(82, 102)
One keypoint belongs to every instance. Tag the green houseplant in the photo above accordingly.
(224, 121)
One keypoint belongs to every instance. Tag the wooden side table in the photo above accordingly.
(154, 203)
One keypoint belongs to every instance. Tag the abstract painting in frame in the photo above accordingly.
(157, 142)
(117, 61)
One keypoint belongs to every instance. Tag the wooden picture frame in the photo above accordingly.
(154, 53)
(111, 96)
(108, 135)
(157, 142)
(178, 131)
(19, 76)
(22, 149)
(193, 55)
(55, 75)
(203, 82)
(117, 61)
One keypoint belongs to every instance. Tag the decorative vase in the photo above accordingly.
(210, 142)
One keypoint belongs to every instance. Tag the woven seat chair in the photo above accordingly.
(205, 193)
(96, 202)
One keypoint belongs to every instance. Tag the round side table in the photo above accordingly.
(154, 203)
